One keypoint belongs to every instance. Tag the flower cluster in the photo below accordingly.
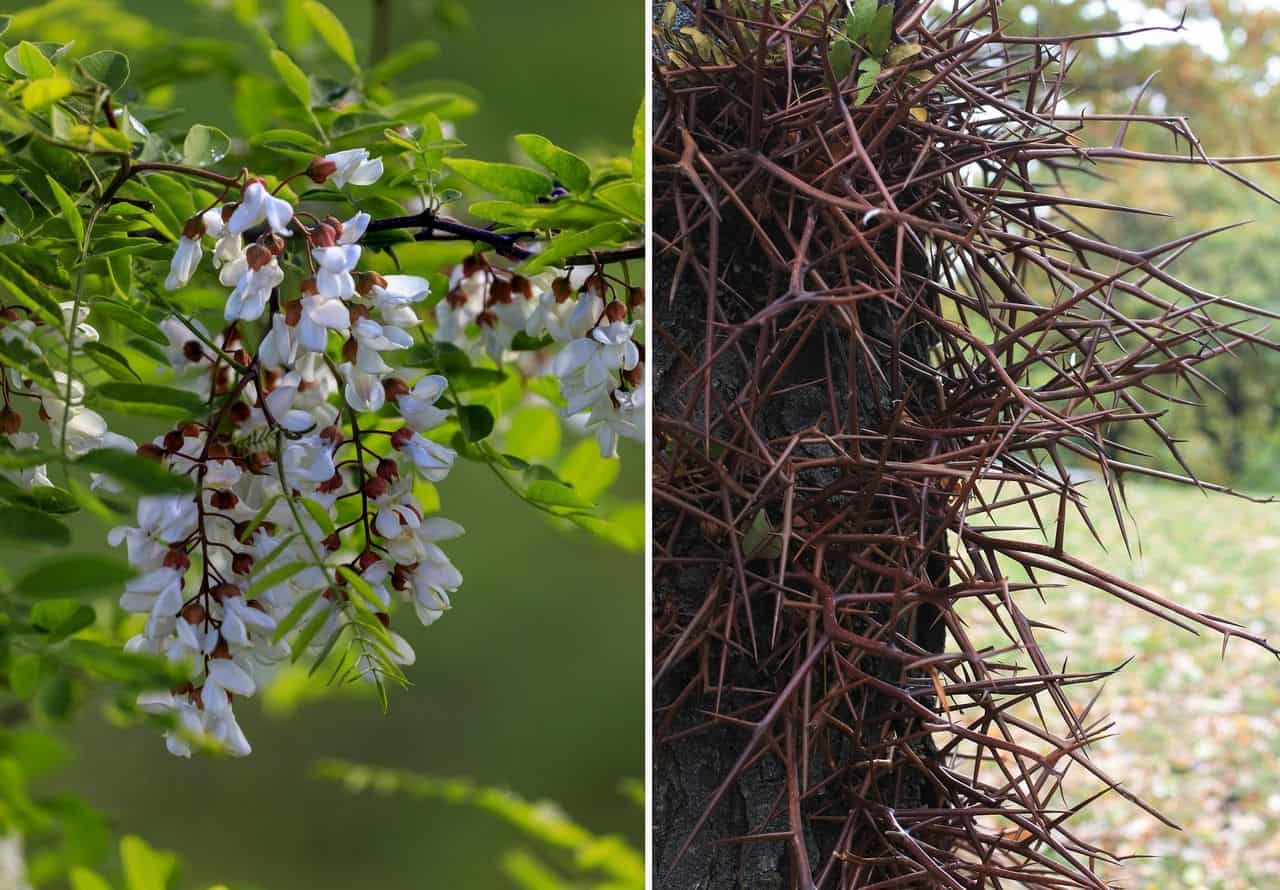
(304, 526)
(599, 368)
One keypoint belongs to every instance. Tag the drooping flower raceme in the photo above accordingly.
(303, 526)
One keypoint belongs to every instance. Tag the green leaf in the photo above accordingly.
(841, 55)
(570, 243)
(571, 170)
(83, 879)
(404, 59)
(331, 31)
(144, 867)
(293, 77)
(534, 434)
(625, 197)
(30, 61)
(476, 422)
(68, 208)
(143, 475)
(588, 472)
(555, 494)
(112, 361)
(107, 67)
(61, 618)
(150, 399)
(509, 181)
(128, 317)
(40, 94)
(308, 633)
(868, 71)
(74, 574)
(859, 22)
(881, 31)
(24, 523)
(24, 674)
(295, 615)
(903, 52)
(272, 578)
(16, 209)
(205, 146)
(639, 143)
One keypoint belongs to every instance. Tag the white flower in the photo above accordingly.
(353, 166)
(256, 277)
(417, 407)
(279, 346)
(431, 460)
(79, 330)
(158, 594)
(353, 229)
(279, 404)
(372, 339)
(179, 335)
(309, 458)
(185, 261)
(587, 365)
(239, 619)
(333, 278)
(363, 391)
(257, 204)
(620, 415)
(319, 316)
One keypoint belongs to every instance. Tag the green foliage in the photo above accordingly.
(586, 860)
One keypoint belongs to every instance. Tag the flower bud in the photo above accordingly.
(10, 420)
(242, 563)
(272, 242)
(176, 558)
(150, 450)
(193, 351)
(499, 292)
(173, 440)
(222, 499)
(456, 298)
(562, 289)
(522, 286)
(194, 613)
(332, 542)
(224, 592)
(189, 428)
(350, 349)
(308, 287)
(375, 487)
(323, 235)
(193, 229)
(388, 470)
(367, 281)
(258, 256)
(473, 264)
(293, 313)
(401, 437)
(239, 413)
(394, 388)
(228, 210)
(367, 560)
(615, 311)
(332, 435)
(257, 461)
(635, 298)
(383, 618)
(330, 485)
(321, 169)
(635, 376)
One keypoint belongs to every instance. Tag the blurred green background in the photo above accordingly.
(536, 679)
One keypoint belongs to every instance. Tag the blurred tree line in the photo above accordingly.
(1221, 70)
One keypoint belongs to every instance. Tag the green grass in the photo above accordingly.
(1194, 735)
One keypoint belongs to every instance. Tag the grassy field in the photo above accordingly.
(1194, 735)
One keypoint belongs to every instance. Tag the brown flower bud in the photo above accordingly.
(10, 420)
(332, 542)
(222, 499)
(615, 311)
(239, 413)
(308, 286)
(189, 428)
(635, 376)
(473, 264)
(193, 351)
(151, 450)
(349, 349)
(383, 618)
(635, 298)
(242, 563)
(323, 235)
(193, 229)
(194, 613)
(258, 256)
(388, 470)
(173, 440)
(522, 286)
(321, 169)
(394, 388)
(258, 461)
(562, 289)
(375, 487)
(272, 242)
(456, 298)
(401, 437)
(355, 312)
(367, 281)
(499, 292)
(176, 558)
(367, 560)
(293, 312)
(332, 435)
(227, 210)
(330, 485)
(224, 592)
